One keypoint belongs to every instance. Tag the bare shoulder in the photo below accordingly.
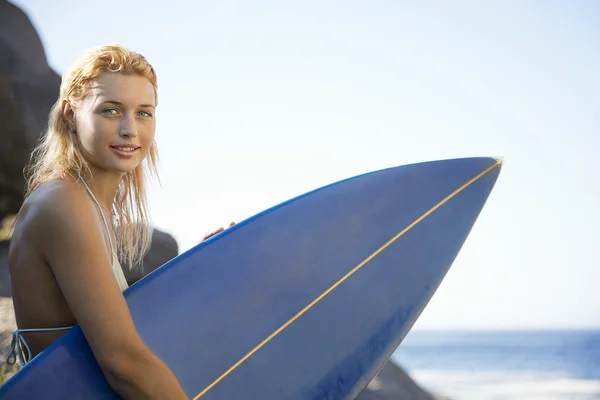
(53, 207)
(57, 205)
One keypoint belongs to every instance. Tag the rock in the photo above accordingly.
(14, 157)
(392, 383)
(5, 289)
(163, 248)
(7, 312)
(28, 89)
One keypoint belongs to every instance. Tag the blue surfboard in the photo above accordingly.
(306, 300)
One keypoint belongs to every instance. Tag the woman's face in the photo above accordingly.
(115, 124)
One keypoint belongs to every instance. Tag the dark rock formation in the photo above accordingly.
(7, 312)
(5, 289)
(28, 89)
(164, 248)
(392, 383)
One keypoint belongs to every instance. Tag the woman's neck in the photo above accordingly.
(104, 185)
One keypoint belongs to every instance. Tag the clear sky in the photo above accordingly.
(263, 100)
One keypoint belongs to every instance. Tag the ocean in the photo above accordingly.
(504, 365)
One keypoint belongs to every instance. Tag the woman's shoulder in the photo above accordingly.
(54, 202)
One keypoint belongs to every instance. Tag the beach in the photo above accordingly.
(507, 365)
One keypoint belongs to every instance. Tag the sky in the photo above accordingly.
(260, 101)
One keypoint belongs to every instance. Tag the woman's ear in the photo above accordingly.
(69, 115)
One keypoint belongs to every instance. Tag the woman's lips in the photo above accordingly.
(126, 150)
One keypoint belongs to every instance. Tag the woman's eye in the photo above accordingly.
(112, 111)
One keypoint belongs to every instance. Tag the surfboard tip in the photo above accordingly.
(499, 160)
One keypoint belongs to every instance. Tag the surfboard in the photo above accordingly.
(305, 300)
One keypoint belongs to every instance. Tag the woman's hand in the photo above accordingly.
(221, 229)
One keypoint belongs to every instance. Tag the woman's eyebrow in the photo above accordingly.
(120, 104)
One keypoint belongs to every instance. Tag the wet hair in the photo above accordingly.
(58, 155)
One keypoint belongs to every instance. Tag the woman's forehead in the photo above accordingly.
(132, 90)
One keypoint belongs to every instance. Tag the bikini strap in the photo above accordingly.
(16, 345)
(101, 213)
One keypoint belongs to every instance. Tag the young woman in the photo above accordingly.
(85, 209)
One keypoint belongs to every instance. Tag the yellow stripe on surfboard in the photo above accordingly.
(339, 282)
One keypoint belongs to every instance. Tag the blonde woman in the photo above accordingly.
(85, 209)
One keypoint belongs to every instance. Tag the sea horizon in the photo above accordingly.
(507, 364)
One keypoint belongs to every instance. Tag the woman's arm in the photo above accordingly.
(69, 239)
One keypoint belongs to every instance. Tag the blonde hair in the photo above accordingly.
(58, 156)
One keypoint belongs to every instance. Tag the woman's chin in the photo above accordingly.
(125, 167)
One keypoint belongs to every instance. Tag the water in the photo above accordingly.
(501, 365)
